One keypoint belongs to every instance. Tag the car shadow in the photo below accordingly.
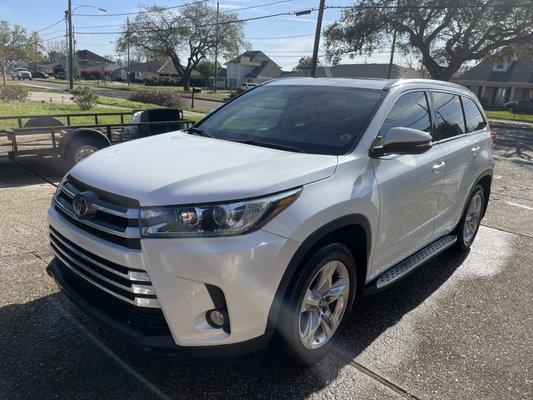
(38, 337)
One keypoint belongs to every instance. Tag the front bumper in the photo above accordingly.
(247, 269)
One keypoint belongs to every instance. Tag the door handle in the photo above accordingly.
(438, 166)
(474, 149)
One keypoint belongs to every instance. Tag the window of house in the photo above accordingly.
(474, 118)
(411, 110)
(449, 119)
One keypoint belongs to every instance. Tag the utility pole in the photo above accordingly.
(216, 48)
(70, 48)
(389, 73)
(128, 39)
(317, 38)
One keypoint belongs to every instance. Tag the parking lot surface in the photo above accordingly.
(460, 327)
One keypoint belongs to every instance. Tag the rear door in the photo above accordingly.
(464, 141)
(409, 186)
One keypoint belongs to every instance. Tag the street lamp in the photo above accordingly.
(68, 15)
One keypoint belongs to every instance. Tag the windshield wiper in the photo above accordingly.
(199, 132)
(270, 145)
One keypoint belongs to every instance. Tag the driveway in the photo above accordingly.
(460, 327)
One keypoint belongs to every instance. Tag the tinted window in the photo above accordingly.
(474, 119)
(449, 119)
(312, 119)
(410, 111)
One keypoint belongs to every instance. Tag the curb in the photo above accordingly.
(498, 123)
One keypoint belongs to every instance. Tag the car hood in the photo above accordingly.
(179, 168)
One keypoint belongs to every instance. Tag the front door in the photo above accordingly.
(409, 187)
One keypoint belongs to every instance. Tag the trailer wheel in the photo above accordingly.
(80, 148)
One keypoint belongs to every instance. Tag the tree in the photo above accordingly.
(17, 44)
(207, 69)
(304, 64)
(158, 32)
(446, 35)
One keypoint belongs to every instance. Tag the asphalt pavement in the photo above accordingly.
(461, 327)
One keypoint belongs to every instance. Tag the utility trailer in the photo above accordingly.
(47, 135)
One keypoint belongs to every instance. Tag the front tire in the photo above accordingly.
(317, 304)
(469, 224)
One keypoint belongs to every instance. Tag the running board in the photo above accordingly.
(408, 265)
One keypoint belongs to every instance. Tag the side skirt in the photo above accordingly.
(404, 268)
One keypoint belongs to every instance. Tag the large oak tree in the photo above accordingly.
(186, 37)
(17, 44)
(446, 34)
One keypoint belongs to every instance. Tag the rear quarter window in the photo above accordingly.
(473, 117)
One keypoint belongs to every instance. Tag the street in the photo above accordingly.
(459, 327)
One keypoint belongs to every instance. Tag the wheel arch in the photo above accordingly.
(353, 230)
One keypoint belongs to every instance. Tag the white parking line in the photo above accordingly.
(519, 205)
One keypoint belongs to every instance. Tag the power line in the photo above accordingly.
(256, 6)
(372, 7)
(50, 26)
(142, 11)
(279, 37)
(53, 33)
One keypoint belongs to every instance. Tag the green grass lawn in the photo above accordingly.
(38, 108)
(506, 115)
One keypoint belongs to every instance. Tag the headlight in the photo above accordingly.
(224, 219)
(59, 187)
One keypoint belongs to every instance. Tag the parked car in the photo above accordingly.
(273, 214)
(248, 86)
(60, 75)
(39, 74)
(21, 74)
(520, 106)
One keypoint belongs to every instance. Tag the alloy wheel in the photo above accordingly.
(473, 217)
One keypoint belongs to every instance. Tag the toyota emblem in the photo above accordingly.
(82, 205)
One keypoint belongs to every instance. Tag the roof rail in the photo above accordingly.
(398, 82)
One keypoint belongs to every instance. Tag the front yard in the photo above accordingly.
(506, 115)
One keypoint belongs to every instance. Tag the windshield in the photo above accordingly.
(310, 119)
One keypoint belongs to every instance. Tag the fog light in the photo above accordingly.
(216, 318)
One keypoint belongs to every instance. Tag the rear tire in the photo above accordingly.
(469, 224)
(79, 148)
(312, 316)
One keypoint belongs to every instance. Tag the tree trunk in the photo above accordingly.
(4, 73)
(186, 80)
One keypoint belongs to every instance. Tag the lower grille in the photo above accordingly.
(128, 285)
(148, 321)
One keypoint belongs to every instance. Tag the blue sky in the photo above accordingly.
(37, 14)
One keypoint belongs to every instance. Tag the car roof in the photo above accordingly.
(367, 83)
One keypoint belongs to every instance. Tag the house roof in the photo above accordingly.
(250, 57)
(90, 56)
(267, 68)
(359, 71)
(169, 69)
(148, 66)
(519, 70)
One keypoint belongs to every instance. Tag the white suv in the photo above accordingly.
(273, 214)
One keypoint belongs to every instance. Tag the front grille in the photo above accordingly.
(128, 285)
(116, 218)
(149, 321)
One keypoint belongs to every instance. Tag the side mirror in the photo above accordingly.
(399, 140)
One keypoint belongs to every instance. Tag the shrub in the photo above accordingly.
(159, 97)
(160, 82)
(84, 98)
(11, 93)
(91, 75)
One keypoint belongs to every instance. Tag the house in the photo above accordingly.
(359, 71)
(88, 61)
(222, 81)
(140, 71)
(250, 67)
(500, 82)
(169, 71)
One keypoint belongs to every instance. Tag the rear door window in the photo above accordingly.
(449, 120)
(474, 118)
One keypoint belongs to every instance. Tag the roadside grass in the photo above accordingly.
(506, 115)
(113, 105)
